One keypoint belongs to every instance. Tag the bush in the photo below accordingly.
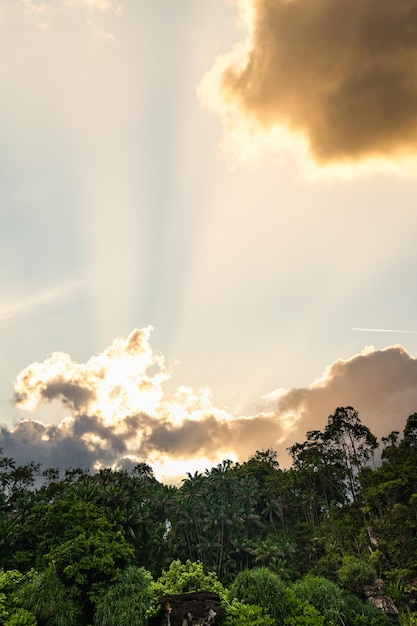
(47, 598)
(304, 614)
(408, 620)
(127, 601)
(324, 595)
(11, 612)
(21, 617)
(360, 613)
(190, 576)
(355, 574)
(185, 578)
(240, 614)
(260, 586)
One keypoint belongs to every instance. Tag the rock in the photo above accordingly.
(200, 608)
(384, 604)
(375, 595)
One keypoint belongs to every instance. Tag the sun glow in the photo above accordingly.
(174, 470)
(125, 379)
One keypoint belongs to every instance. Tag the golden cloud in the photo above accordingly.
(118, 412)
(115, 382)
(338, 75)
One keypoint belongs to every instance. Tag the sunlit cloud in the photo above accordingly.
(333, 82)
(115, 383)
(189, 404)
(118, 412)
(380, 384)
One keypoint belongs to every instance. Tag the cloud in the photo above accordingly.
(118, 413)
(116, 382)
(84, 442)
(71, 394)
(237, 438)
(380, 384)
(337, 75)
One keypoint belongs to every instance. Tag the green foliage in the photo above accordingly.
(408, 620)
(46, 597)
(126, 602)
(262, 587)
(330, 515)
(376, 562)
(360, 613)
(89, 562)
(135, 503)
(21, 617)
(276, 553)
(187, 577)
(324, 595)
(4, 613)
(355, 574)
(191, 576)
(51, 524)
(10, 580)
(214, 519)
(240, 614)
(11, 611)
(397, 588)
(304, 614)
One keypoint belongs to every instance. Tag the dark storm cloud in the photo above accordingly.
(339, 72)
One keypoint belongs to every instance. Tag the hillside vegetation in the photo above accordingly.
(312, 545)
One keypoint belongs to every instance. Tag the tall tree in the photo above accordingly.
(355, 442)
(336, 455)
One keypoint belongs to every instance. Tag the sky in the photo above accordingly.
(201, 202)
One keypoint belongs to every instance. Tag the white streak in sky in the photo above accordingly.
(386, 330)
(46, 299)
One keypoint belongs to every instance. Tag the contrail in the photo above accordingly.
(387, 330)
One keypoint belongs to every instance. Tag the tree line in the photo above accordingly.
(322, 536)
